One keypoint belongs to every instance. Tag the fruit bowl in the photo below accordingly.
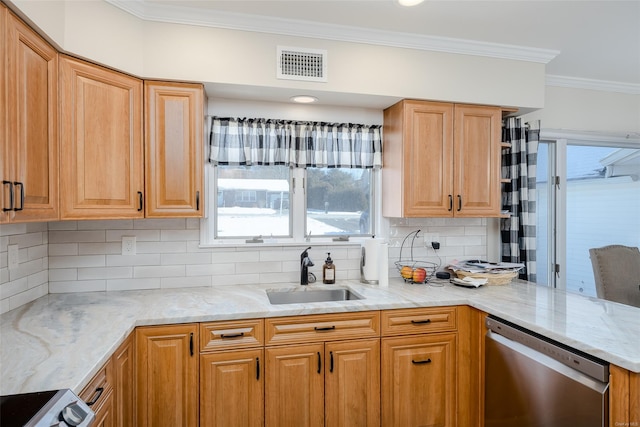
(414, 271)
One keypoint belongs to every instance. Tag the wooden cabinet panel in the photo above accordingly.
(124, 383)
(294, 386)
(174, 115)
(167, 376)
(29, 111)
(322, 327)
(234, 334)
(352, 383)
(99, 396)
(418, 380)
(477, 160)
(101, 142)
(232, 389)
(441, 160)
(418, 320)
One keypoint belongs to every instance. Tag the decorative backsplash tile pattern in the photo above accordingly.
(85, 256)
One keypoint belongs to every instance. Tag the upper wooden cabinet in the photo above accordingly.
(174, 116)
(101, 151)
(29, 123)
(441, 160)
(108, 170)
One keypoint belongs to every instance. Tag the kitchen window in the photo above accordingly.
(291, 181)
(588, 195)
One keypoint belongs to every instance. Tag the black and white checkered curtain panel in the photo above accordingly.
(235, 141)
(518, 232)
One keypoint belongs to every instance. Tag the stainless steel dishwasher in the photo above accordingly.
(532, 381)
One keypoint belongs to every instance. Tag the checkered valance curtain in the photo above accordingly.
(235, 141)
(518, 232)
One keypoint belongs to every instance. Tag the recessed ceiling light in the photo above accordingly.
(304, 99)
(409, 2)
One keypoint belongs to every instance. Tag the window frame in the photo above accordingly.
(298, 214)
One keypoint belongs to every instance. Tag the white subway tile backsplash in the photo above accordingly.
(77, 286)
(94, 273)
(140, 235)
(126, 284)
(57, 249)
(124, 260)
(159, 271)
(63, 236)
(77, 261)
(84, 256)
(182, 282)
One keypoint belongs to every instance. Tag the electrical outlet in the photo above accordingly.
(13, 257)
(430, 237)
(128, 245)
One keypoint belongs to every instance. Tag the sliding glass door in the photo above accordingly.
(588, 197)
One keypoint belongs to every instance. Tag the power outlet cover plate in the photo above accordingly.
(128, 245)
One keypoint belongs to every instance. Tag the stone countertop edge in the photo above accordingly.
(62, 340)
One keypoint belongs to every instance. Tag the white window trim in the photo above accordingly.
(297, 224)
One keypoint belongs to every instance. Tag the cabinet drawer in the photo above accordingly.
(419, 320)
(233, 334)
(322, 327)
(98, 391)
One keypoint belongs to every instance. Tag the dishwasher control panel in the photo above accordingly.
(575, 359)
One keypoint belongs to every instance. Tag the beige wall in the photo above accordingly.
(589, 110)
(101, 32)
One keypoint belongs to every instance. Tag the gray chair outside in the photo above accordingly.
(616, 269)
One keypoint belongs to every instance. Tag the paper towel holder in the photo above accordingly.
(363, 260)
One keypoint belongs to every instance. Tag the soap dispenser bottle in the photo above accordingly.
(328, 271)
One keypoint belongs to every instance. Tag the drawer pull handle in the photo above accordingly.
(191, 343)
(258, 368)
(319, 363)
(421, 322)
(421, 362)
(16, 183)
(450, 202)
(140, 201)
(99, 391)
(459, 203)
(197, 200)
(225, 336)
(10, 184)
(331, 361)
(325, 328)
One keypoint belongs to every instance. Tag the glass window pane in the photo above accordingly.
(338, 201)
(603, 207)
(253, 201)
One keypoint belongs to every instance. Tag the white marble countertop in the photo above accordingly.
(61, 340)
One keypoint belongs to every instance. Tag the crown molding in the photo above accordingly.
(298, 28)
(601, 85)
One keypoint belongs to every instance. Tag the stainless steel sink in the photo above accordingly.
(311, 295)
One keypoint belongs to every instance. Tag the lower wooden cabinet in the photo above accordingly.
(110, 392)
(352, 383)
(419, 380)
(167, 376)
(294, 389)
(333, 384)
(232, 388)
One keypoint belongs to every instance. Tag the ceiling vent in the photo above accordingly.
(295, 63)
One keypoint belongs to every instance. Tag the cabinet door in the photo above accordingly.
(101, 150)
(477, 161)
(418, 153)
(5, 164)
(124, 384)
(32, 123)
(418, 381)
(232, 389)
(294, 386)
(167, 376)
(105, 413)
(174, 115)
(352, 383)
